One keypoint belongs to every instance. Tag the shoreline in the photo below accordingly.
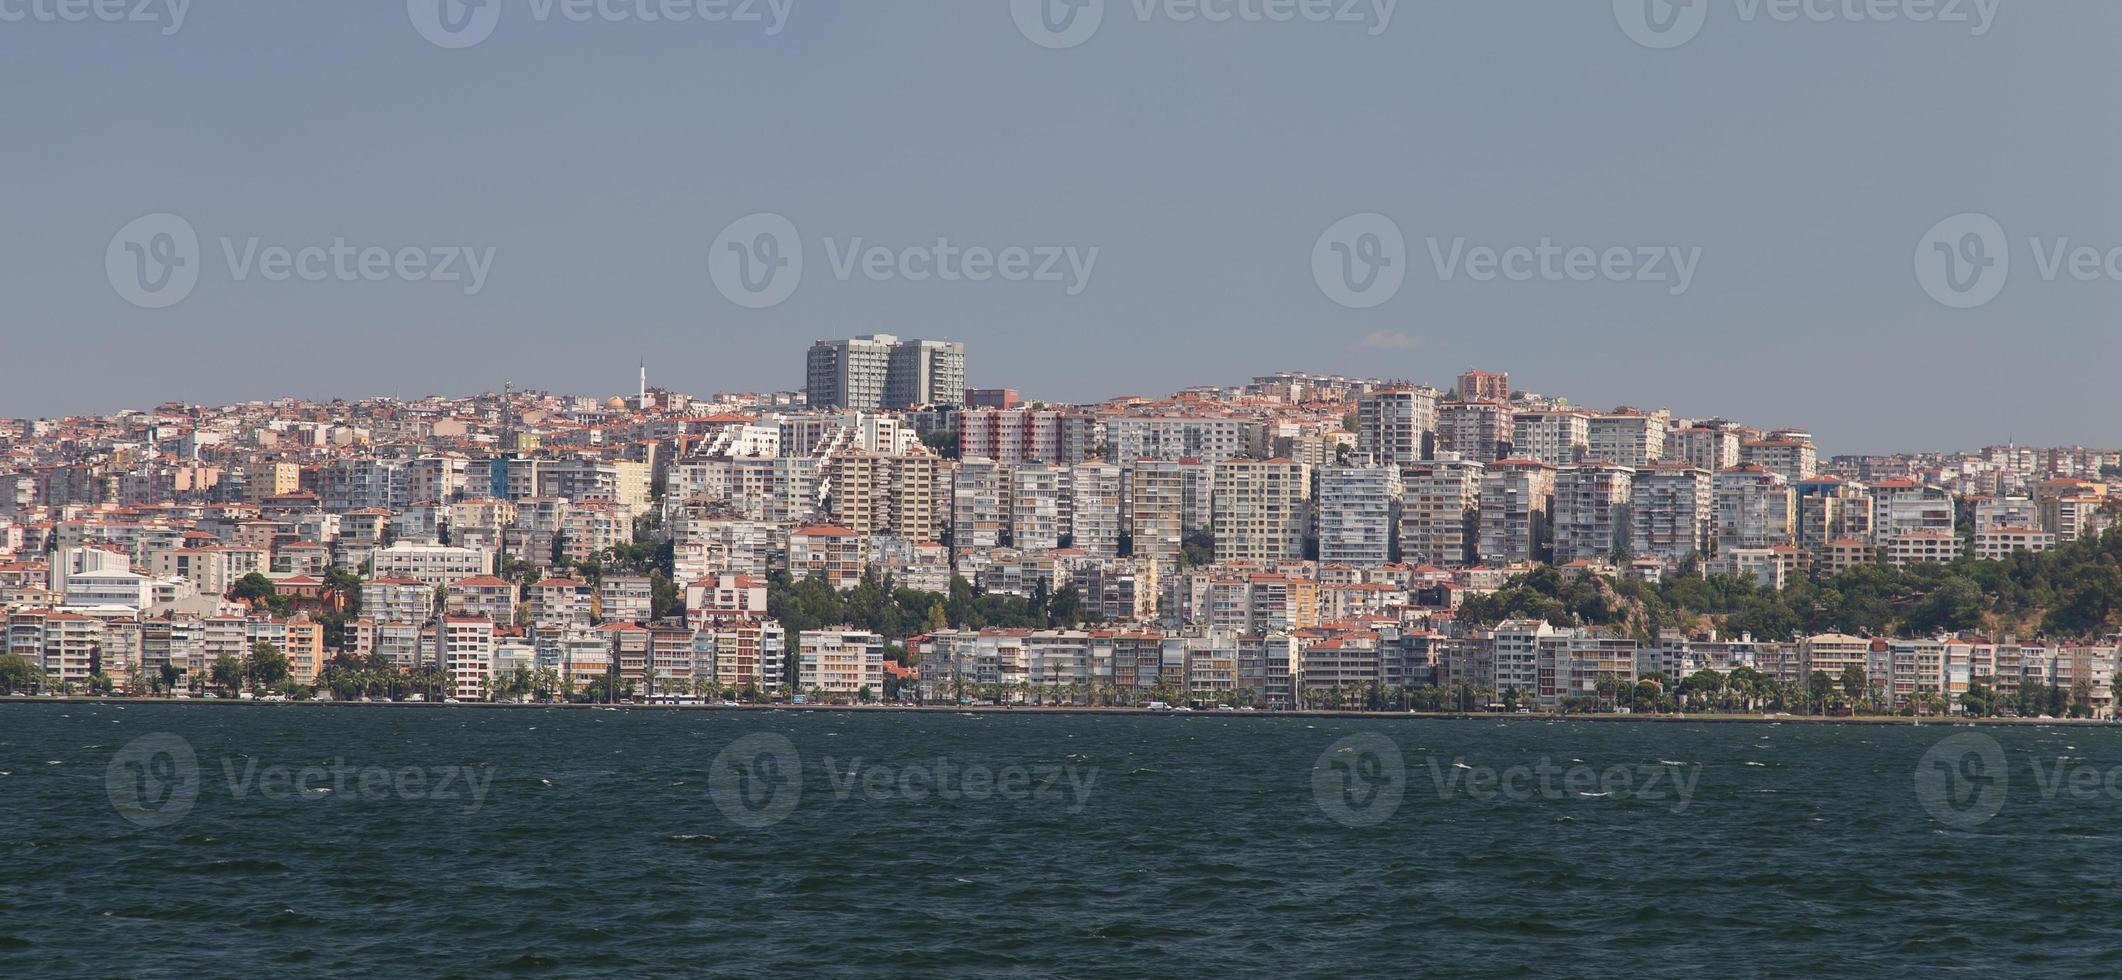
(1084, 710)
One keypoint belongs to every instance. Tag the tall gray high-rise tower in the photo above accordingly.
(882, 371)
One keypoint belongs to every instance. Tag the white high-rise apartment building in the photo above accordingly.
(1591, 511)
(1788, 455)
(1554, 437)
(1904, 506)
(1210, 440)
(1480, 431)
(1628, 438)
(1397, 426)
(1755, 509)
(1156, 506)
(848, 373)
(925, 372)
(441, 478)
(1038, 509)
(1704, 447)
(780, 490)
(881, 371)
(1669, 511)
(877, 493)
(1261, 509)
(1440, 503)
(1515, 648)
(1516, 501)
(841, 662)
(1357, 507)
(1096, 504)
(464, 646)
(432, 565)
(980, 501)
(363, 483)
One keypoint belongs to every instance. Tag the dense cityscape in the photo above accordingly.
(889, 535)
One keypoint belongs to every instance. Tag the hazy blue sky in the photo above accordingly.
(599, 160)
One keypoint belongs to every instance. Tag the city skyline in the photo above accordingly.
(644, 379)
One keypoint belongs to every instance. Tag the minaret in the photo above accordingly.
(644, 383)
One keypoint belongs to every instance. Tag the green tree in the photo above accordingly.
(226, 673)
(1980, 699)
(1197, 547)
(1066, 609)
(1817, 688)
(266, 666)
(253, 587)
(665, 597)
(18, 674)
(516, 684)
(1853, 683)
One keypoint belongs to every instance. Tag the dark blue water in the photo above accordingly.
(568, 842)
